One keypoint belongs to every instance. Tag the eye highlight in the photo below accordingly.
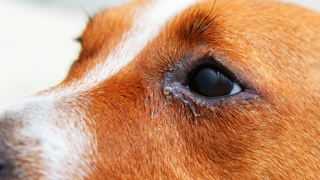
(210, 81)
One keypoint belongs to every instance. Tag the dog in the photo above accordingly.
(139, 102)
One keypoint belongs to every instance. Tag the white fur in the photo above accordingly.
(66, 145)
(147, 24)
(56, 134)
(145, 28)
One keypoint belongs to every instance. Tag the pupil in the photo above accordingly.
(209, 82)
(207, 78)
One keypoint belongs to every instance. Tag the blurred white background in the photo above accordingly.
(37, 41)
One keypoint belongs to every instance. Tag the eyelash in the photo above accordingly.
(211, 82)
(176, 81)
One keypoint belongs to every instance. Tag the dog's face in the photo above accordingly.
(178, 90)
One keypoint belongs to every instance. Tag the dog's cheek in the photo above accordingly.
(230, 140)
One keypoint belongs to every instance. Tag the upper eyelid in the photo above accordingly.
(218, 71)
(230, 72)
(216, 61)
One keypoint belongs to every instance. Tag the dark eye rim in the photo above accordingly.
(212, 60)
(208, 61)
(177, 77)
(200, 67)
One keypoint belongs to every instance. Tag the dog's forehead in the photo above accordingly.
(107, 117)
(125, 33)
(116, 37)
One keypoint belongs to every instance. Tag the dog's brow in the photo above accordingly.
(198, 23)
(136, 104)
(156, 16)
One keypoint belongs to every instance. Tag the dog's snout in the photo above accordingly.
(6, 153)
(6, 167)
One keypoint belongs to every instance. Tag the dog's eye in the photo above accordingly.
(210, 81)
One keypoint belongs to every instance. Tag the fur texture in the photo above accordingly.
(125, 110)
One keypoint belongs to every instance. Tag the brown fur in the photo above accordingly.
(268, 131)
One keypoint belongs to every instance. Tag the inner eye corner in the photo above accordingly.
(212, 81)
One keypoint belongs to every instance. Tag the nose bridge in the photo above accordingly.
(16, 115)
(6, 162)
(12, 117)
(43, 135)
(10, 121)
